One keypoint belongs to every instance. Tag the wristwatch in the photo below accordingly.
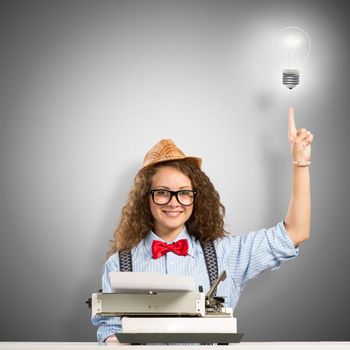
(301, 163)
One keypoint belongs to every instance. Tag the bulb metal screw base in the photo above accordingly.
(291, 78)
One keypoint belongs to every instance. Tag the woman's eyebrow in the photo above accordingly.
(168, 188)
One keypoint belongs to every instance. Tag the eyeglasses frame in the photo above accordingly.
(172, 194)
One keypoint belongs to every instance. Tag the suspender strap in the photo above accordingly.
(125, 262)
(211, 260)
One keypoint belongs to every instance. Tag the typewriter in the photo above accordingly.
(170, 317)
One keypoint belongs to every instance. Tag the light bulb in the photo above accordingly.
(291, 47)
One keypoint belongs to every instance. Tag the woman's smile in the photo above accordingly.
(172, 213)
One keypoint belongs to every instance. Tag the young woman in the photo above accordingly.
(173, 200)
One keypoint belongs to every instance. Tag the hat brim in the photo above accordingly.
(197, 161)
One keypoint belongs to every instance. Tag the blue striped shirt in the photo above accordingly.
(242, 257)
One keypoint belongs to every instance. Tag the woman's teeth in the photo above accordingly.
(172, 213)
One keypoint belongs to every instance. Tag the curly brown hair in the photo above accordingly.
(206, 222)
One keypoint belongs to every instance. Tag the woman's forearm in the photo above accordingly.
(298, 218)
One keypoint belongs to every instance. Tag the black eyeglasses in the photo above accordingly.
(162, 197)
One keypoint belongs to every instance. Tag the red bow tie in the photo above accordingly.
(160, 248)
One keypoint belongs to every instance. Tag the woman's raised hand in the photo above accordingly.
(300, 140)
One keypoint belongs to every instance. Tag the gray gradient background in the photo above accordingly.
(88, 86)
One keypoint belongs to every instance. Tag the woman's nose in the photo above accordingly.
(173, 201)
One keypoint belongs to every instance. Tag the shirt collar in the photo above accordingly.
(151, 236)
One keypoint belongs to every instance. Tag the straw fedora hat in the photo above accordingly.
(164, 151)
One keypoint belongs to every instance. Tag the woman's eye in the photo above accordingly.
(185, 193)
(162, 193)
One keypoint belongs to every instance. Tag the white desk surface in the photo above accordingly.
(239, 346)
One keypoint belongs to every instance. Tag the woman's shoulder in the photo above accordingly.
(113, 261)
(228, 242)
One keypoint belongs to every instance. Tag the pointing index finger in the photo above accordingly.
(292, 130)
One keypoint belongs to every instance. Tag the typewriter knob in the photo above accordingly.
(88, 302)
